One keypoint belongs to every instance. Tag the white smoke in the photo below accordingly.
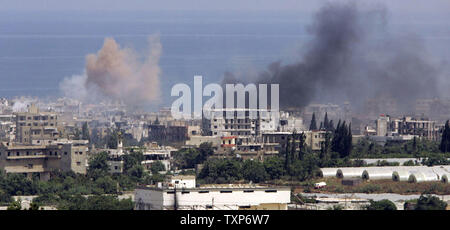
(21, 105)
(75, 87)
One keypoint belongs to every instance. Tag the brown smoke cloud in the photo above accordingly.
(117, 73)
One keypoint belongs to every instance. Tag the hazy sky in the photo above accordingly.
(407, 6)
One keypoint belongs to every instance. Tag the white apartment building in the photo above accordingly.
(243, 126)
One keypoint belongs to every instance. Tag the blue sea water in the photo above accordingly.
(39, 49)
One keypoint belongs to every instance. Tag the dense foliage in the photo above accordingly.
(188, 158)
(65, 187)
(381, 205)
(429, 202)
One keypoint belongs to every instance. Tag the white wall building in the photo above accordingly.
(213, 198)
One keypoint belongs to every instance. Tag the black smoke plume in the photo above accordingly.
(353, 57)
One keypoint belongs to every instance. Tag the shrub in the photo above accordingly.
(430, 203)
(381, 205)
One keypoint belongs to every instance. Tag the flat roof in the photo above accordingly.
(183, 177)
(282, 188)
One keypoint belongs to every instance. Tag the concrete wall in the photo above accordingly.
(196, 199)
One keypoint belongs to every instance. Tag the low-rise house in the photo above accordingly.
(183, 196)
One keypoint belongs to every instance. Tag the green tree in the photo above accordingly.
(313, 124)
(4, 196)
(253, 171)
(381, 205)
(85, 131)
(136, 172)
(77, 134)
(113, 138)
(157, 167)
(107, 185)
(305, 169)
(414, 145)
(132, 159)
(342, 140)
(326, 123)
(274, 167)
(34, 206)
(445, 141)
(205, 150)
(98, 165)
(99, 161)
(435, 159)
(15, 205)
(429, 202)
(221, 171)
(190, 157)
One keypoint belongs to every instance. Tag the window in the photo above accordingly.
(65, 153)
(271, 190)
(30, 166)
(171, 192)
(203, 191)
(185, 192)
(226, 191)
(248, 190)
(79, 163)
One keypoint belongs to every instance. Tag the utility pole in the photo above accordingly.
(175, 206)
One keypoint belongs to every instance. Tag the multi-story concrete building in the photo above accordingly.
(256, 137)
(7, 127)
(275, 142)
(198, 140)
(28, 159)
(423, 128)
(36, 127)
(164, 134)
(245, 127)
(155, 153)
(404, 128)
(382, 125)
